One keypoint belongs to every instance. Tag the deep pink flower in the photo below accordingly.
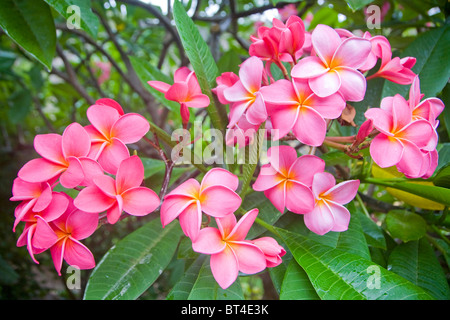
(286, 179)
(38, 235)
(110, 131)
(241, 134)
(245, 96)
(230, 252)
(125, 193)
(401, 139)
(292, 105)
(291, 36)
(185, 90)
(329, 213)
(74, 225)
(335, 67)
(271, 249)
(64, 157)
(215, 196)
(395, 69)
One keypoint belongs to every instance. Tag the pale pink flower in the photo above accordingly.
(63, 156)
(230, 252)
(38, 235)
(287, 11)
(110, 131)
(245, 96)
(271, 249)
(401, 138)
(125, 193)
(292, 105)
(185, 90)
(335, 66)
(74, 225)
(105, 71)
(286, 179)
(215, 196)
(225, 80)
(241, 134)
(329, 213)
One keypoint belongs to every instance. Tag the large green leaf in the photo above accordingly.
(417, 262)
(134, 263)
(339, 275)
(77, 11)
(201, 59)
(405, 225)
(184, 287)
(358, 4)
(296, 284)
(207, 288)
(30, 24)
(433, 66)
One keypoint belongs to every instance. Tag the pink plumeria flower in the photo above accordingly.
(271, 249)
(335, 67)
(291, 36)
(38, 235)
(125, 193)
(292, 105)
(244, 94)
(185, 90)
(286, 179)
(230, 252)
(110, 131)
(225, 80)
(287, 11)
(34, 196)
(74, 225)
(64, 157)
(401, 139)
(215, 196)
(395, 69)
(329, 213)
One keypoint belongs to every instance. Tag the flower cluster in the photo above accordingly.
(230, 253)
(84, 159)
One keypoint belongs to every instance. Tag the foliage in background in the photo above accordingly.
(52, 73)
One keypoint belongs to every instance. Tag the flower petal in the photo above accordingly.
(309, 67)
(325, 41)
(250, 74)
(102, 117)
(320, 220)
(224, 267)
(322, 182)
(173, 206)
(219, 176)
(218, 201)
(159, 85)
(49, 146)
(130, 128)
(281, 158)
(130, 174)
(341, 216)
(40, 170)
(112, 155)
(310, 127)
(74, 175)
(209, 241)
(305, 167)
(277, 195)
(75, 141)
(250, 258)
(353, 84)
(81, 224)
(268, 178)
(325, 84)
(243, 226)
(386, 151)
(343, 192)
(352, 52)
(299, 198)
(140, 201)
(92, 199)
(412, 159)
(77, 254)
(191, 220)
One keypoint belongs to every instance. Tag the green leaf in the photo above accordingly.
(432, 65)
(442, 177)
(152, 167)
(184, 287)
(417, 262)
(339, 275)
(30, 24)
(358, 4)
(434, 193)
(296, 284)
(148, 72)
(207, 288)
(372, 232)
(78, 16)
(134, 263)
(20, 105)
(405, 225)
(201, 59)
(353, 240)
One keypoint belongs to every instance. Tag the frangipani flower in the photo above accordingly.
(335, 67)
(292, 105)
(125, 193)
(242, 133)
(38, 235)
(225, 80)
(74, 225)
(64, 157)
(291, 36)
(185, 90)
(286, 179)
(245, 96)
(34, 196)
(271, 249)
(401, 139)
(329, 213)
(110, 131)
(215, 196)
(230, 252)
